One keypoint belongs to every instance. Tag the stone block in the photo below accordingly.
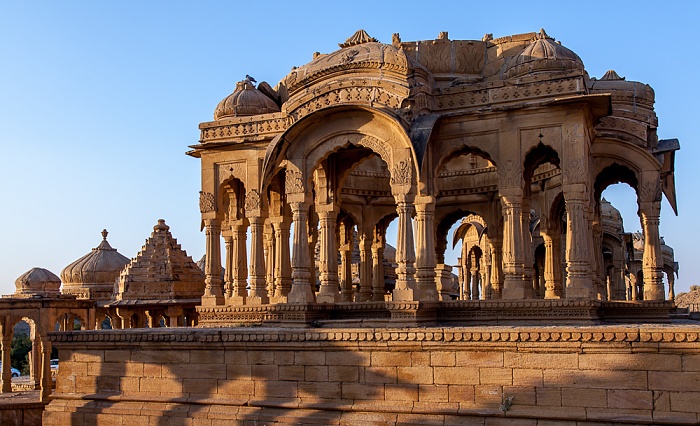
(460, 393)
(420, 419)
(70, 368)
(207, 356)
(456, 376)
(157, 385)
(603, 379)
(348, 358)
(261, 357)
(367, 418)
(442, 359)
(401, 392)
(236, 357)
(86, 384)
(619, 415)
(671, 418)
(291, 372)
(548, 396)
(362, 391)
(533, 360)
(686, 401)
(380, 374)
(235, 387)
(343, 373)
(525, 395)
(316, 373)
(638, 400)
(88, 356)
(119, 355)
(200, 386)
(637, 361)
(275, 389)
(420, 359)
(390, 359)
(495, 376)
(419, 375)
(433, 393)
(662, 400)
(310, 358)
(444, 408)
(284, 357)
(264, 372)
(528, 377)
(194, 371)
(488, 395)
(582, 397)
(239, 372)
(161, 357)
(497, 421)
(151, 370)
(129, 384)
(316, 390)
(674, 381)
(479, 359)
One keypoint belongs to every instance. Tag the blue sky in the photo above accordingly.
(99, 101)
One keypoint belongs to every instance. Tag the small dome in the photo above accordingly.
(93, 275)
(38, 282)
(543, 54)
(245, 100)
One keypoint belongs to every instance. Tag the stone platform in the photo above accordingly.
(22, 408)
(450, 313)
(485, 375)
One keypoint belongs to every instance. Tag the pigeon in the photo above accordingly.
(249, 78)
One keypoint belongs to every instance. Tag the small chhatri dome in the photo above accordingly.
(244, 101)
(38, 282)
(360, 37)
(93, 275)
(611, 75)
(543, 54)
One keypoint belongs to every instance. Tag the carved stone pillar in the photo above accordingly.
(301, 259)
(514, 286)
(365, 246)
(634, 295)
(283, 269)
(239, 267)
(652, 260)
(671, 290)
(405, 253)
(346, 245)
(258, 291)
(496, 267)
(552, 262)
(228, 268)
(528, 258)
(599, 274)
(269, 253)
(443, 281)
(45, 369)
(6, 361)
(378, 265)
(212, 291)
(425, 244)
(328, 257)
(579, 284)
(475, 283)
(174, 314)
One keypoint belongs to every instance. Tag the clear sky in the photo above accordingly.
(100, 99)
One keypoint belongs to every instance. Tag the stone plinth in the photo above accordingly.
(638, 374)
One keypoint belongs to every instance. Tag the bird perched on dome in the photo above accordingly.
(249, 78)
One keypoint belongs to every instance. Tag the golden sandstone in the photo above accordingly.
(553, 315)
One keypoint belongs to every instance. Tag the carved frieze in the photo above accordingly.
(252, 200)
(402, 173)
(207, 202)
(293, 182)
(510, 174)
(575, 171)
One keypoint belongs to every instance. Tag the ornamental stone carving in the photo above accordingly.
(207, 202)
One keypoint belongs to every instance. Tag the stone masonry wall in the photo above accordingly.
(604, 374)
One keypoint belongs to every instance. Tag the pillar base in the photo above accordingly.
(236, 300)
(257, 300)
(327, 295)
(212, 300)
(279, 299)
(301, 293)
(406, 294)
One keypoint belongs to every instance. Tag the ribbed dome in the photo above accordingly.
(93, 275)
(39, 282)
(543, 54)
(610, 218)
(245, 100)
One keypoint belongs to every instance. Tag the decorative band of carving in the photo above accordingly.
(592, 334)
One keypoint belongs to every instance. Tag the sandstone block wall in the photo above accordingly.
(604, 374)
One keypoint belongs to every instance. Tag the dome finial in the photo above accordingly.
(104, 234)
(359, 37)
